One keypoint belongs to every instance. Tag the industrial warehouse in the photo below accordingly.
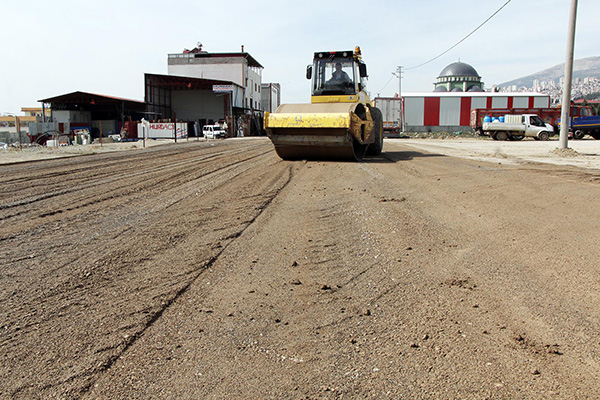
(200, 89)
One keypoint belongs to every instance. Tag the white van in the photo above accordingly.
(213, 132)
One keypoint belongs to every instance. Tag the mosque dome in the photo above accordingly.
(458, 77)
(459, 69)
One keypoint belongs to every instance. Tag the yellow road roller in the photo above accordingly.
(339, 124)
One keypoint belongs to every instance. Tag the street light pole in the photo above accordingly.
(566, 101)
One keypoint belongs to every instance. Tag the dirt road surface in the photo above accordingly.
(217, 270)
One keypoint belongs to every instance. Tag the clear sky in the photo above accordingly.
(55, 47)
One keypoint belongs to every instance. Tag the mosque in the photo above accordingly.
(458, 77)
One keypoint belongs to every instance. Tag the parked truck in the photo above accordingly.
(517, 127)
(585, 125)
(548, 115)
(390, 110)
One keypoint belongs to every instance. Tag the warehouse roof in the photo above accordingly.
(87, 101)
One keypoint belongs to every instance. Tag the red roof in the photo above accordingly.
(580, 101)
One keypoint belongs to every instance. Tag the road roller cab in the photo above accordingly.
(339, 123)
(339, 77)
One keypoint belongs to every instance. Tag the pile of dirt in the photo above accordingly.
(568, 152)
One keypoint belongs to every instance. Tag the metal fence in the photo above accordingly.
(12, 138)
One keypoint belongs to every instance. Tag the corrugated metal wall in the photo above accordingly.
(191, 105)
(450, 111)
(414, 110)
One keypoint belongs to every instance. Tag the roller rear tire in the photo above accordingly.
(376, 147)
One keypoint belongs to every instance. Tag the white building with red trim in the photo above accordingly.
(457, 90)
(448, 111)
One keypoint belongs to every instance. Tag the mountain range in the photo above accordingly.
(582, 68)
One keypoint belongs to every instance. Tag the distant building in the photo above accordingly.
(205, 88)
(448, 112)
(458, 77)
(451, 112)
(270, 96)
(86, 113)
(239, 68)
(32, 114)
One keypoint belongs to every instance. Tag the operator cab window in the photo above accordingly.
(334, 77)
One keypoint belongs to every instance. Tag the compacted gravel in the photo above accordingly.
(217, 270)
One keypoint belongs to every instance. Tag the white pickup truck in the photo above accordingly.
(517, 127)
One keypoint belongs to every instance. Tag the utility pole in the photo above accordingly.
(401, 108)
(566, 101)
(231, 128)
(175, 126)
(18, 128)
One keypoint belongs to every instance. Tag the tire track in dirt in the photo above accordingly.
(419, 277)
(276, 295)
(93, 292)
(364, 281)
(131, 215)
(94, 165)
(87, 196)
(91, 181)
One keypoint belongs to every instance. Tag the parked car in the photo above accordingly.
(213, 132)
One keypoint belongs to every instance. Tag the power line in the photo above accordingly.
(462, 40)
(459, 42)
(388, 82)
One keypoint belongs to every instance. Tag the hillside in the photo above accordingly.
(581, 68)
